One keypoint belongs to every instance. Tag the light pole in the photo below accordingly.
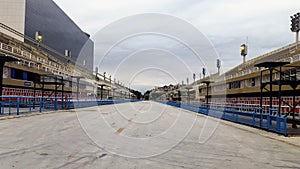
(38, 38)
(218, 65)
(203, 72)
(243, 50)
(207, 82)
(295, 25)
(194, 77)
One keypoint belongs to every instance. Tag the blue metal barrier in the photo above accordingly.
(250, 116)
(26, 104)
(90, 103)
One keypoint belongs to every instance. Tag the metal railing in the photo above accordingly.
(16, 105)
(255, 117)
(27, 104)
(36, 60)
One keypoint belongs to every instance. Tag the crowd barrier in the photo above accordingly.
(256, 117)
(270, 121)
(26, 104)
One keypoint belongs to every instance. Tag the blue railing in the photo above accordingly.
(90, 103)
(25, 104)
(255, 117)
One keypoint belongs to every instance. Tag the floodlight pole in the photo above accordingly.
(295, 26)
(207, 82)
(297, 39)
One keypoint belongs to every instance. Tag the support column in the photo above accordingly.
(1, 82)
(34, 90)
(261, 91)
(279, 92)
(62, 94)
(271, 87)
(77, 90)
(294, 86)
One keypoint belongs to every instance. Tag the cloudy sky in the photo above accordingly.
(223, 24)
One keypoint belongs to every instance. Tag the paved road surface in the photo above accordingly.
(137, 135)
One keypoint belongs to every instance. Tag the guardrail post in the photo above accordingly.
(1, 111)
(68, 103)
(253, 117)
(284, 127)
(277, 122)
(268, 121)
(29, 103)
(62, 103)
(9, 107)
(18, 105)
(41, 104)
(55, 104)
(261, 117)
(233, 117)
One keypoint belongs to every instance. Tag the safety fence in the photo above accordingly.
(15, 105)
(256, 117)
(92, 102)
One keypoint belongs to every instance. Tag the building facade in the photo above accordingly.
(58, 31)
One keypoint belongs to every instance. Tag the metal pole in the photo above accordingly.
(271, 88)
(62, 97)
(42, 99)
(261, 90)
(34, 90)
(55, 94)
(207, 84)
(1, 82)
(279, 94)
(188, 96)
(62, 93)
(77, 93)
(297, 39)
(294, 107)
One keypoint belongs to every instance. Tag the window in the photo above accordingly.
(235, 85)
(24, 75)
(252, 82)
